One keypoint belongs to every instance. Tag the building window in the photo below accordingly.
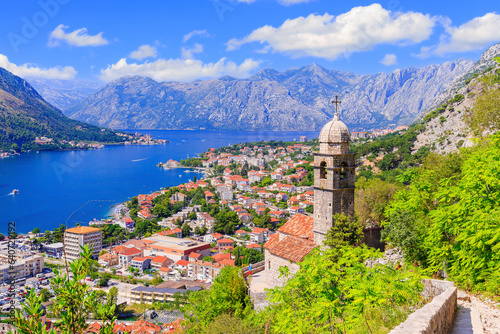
(322, 170)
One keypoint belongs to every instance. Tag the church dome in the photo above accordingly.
(335, 132)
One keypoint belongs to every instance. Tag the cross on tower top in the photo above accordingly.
(337, 101)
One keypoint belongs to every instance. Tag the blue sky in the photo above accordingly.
(185, 40)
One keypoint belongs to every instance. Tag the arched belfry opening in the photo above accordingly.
(344, 174)
(322, 170)
(337, 194)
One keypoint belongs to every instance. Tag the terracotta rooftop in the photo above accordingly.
(225, 241)
(131, 251)
(272, 241)
(135, 243)
(299, 225)
(83, 230)
(292, 248)
(195, 255)
(221, 256)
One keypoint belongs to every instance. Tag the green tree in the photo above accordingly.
(44, 295)
(36, 230)
(72, 303)
(228, 295)
(203, 230)
(186, 230)
(485, 114)
(112, 297)
(335, 292)
(344, 232)
(371, 200)
(156, 279)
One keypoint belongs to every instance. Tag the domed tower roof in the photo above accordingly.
(334, 138)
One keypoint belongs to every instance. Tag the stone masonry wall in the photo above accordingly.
(273, 263)
(435, 317)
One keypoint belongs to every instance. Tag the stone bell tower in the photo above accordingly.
(334, 174)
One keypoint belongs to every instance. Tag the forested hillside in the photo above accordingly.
(24, 115)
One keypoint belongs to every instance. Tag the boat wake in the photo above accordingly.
(136, 160)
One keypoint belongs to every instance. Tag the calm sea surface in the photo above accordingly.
(77, 186)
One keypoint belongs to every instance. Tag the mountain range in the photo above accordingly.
(63, 94)
(296, 99)
(25, 115)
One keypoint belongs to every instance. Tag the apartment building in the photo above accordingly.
(81, 236)
(21, 269)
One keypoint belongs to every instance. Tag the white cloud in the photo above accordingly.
(187, 53)
(144, 51)
(77, 37)
(389, 59)
(31, 70)
(179, 69)
(475, 34)
(202, 33)
(327, 36)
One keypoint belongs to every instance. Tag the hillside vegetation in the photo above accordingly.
(24, 115)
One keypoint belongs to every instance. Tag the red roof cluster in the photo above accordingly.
(299, 225)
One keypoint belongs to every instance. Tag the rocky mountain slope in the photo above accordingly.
(486, 61)
(25, 115)
(445, 129)
(63, 94)
(296, 99)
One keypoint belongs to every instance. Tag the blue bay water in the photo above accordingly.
(77, 186)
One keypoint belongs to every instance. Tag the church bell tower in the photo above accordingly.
(334, 174)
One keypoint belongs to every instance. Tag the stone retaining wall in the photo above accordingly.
(436, 316)
(258, 299)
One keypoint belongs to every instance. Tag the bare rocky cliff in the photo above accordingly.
(296, 99)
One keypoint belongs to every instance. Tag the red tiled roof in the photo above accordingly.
(253, 246)
(259, 230)
(292, 248)
(182, 263)
(195, 255)
(299, 225)
(227, 262)
(119, 249)
(159, 259)
(131, 251)
(136, 243)
(221, 256)
(272, 241)
(224, 241)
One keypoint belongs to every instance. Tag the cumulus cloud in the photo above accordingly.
(179, 69)
(31, 70)
(77, 37)
(188, 52)
(389, 59)
(202, 33)
(327, 36)
(144, 51)
(475, 34)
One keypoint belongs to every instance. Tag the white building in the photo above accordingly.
(81, 236)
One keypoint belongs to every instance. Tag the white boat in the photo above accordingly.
(15, 192)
